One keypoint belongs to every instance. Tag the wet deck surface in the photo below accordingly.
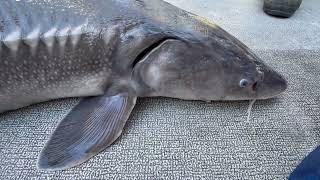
(175, 139)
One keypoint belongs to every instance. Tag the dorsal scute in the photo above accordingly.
(29, 24)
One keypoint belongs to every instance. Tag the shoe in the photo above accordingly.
(281, 8)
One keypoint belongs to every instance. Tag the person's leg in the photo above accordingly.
(281, 8)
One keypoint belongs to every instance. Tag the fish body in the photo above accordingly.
(48, 51)
(110, 52)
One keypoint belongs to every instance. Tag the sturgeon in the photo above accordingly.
(110, 52)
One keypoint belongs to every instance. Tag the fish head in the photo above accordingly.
(212, 68)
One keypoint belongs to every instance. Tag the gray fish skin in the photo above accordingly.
(61, 49)
(111, 52)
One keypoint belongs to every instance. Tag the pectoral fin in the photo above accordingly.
(93, 125)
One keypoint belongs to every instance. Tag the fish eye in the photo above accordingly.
(244, 83)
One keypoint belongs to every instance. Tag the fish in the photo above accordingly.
(111, 52)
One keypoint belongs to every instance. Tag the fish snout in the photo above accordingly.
(271, 85)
